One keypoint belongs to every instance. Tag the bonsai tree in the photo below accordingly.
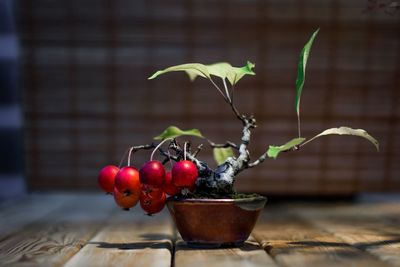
(190, 176)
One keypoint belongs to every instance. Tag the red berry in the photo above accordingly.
(127, 181)
(106, 178)
(169, 187)
(125, 201)
(152, 202)
(152, 191)
(152, 173)
(184, 174)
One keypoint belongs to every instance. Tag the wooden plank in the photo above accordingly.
(129, 239)
(374, 228)
(251, 254)
(57, 236)
(293, 241)
(18, 212)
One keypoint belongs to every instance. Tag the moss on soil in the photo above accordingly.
(211, 195)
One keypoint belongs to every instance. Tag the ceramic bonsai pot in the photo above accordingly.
(215, 222)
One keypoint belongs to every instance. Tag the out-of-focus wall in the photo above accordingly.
(87, 97)
(11, 158)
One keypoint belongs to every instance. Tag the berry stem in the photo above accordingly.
(184, 150)
(123, 157)
(129, 156)
(155, 149)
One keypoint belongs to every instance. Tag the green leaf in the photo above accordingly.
(223, 70)
(273, 151)
(301, 71)
(221, 154)
(349, 131)
(232, 74)
(192, 69)
(174, 132)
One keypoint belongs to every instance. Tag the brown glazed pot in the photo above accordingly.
(215, 222)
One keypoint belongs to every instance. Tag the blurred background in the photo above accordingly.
(75, 95)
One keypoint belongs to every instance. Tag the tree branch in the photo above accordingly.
(199, 148)
(227, 144)
(258, 161)
(203, 168)
(263, 157)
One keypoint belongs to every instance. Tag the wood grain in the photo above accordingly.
(20, 211)
(57, 236)
(251, 254)
(129, 239)
(293, 241)
(374, 228)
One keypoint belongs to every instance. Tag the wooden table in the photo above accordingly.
(89, 230)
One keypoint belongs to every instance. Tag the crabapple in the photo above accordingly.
(125, 201)
(106, 178)
(169, 187)
(151, 190)
(184, 174)
(152, 173)
(152, 202)
(127, 181)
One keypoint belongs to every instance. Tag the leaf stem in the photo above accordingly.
(226, 91)
(219, 89)
(298, 125)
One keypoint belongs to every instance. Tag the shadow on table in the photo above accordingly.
(247, 246)
(134, 245)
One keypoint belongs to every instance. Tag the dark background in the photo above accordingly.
(86, 98)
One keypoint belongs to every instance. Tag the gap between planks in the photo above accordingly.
(293, 241)
(57, 236)
(374, 228)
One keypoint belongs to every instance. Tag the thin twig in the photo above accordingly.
(227, 144)
(199, 148)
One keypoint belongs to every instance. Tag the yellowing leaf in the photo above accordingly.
(349, 131)
(193, 69)
(174, 132)
(223, 70)
(221, 154)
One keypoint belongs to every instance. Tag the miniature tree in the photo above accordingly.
(218, 183)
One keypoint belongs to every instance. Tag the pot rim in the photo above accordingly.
(218, 200)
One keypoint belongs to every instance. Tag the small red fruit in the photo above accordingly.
(184, 174)
(152, 173)
(125, 201)
(107, 177)
(169, 187)
(127, 181)
(152, 202)
(152, 191)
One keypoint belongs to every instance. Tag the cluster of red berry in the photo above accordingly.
(149, 185)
